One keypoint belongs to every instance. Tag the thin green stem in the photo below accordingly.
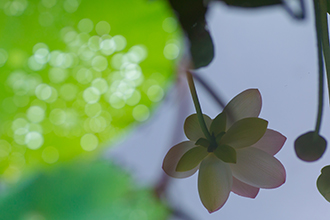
(319, 31)
(323, 30)
(197, 106)
(210, 90)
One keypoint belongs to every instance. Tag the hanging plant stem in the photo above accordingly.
(197, 106)
(320, 45)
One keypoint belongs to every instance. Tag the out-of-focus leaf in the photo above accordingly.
(84, 191)
(328, 6)
(75, 74)
(191, 14)
(309, 147)
(323, 183)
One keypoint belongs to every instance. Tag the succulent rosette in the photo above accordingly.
(239, 156)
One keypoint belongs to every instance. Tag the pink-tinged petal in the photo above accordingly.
(258, 168)
(244, 105)
(214, 182)
(271, 142)
(192, 128)
(244, 189)
(173, 157)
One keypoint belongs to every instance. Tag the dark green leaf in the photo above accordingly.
(201, 46)
(191, 14)
(323, 183)
(192, 128)
(226, 153)
(245, 132)
(203, 142)
(191, 159)
(309, 147)
(218, 124)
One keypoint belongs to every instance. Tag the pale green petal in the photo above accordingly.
(214, 182)
(173, 157)
(192, 128)
(244, 132)
(244, 105)
(218, 124)
(191, 159)
(258, 168)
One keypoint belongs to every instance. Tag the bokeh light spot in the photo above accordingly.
(89, 142)
(71, 6)
(48, 3)
(3, 57)
(99, 63)
(41, 56)
(134, 99)
(91, 95)
(171, 51)
(137, 53)
(108, 46)
(102, 28)
(50, 155)
(100, 84)
(120, 42)
(15, 8)
(35, 127)
(155, 93)
(141, 112)
(19, 123)
(170, 24)
(97, 124)
(84, 76)
(34, 140)
(93, 110)
(53, 96)
(85, 25)
(70, 36)
(34, 65)
(116, 100)
(38, 46)
(43, 91)
(94, 43)
(19, 135)
(35, 114)
(57, 75)
(57, 116)
(132, 71)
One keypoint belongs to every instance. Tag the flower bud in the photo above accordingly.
(309, 147)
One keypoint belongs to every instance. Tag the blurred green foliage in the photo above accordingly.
(84, 191)
(75, 74)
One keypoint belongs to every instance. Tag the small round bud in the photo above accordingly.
(309, 147)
